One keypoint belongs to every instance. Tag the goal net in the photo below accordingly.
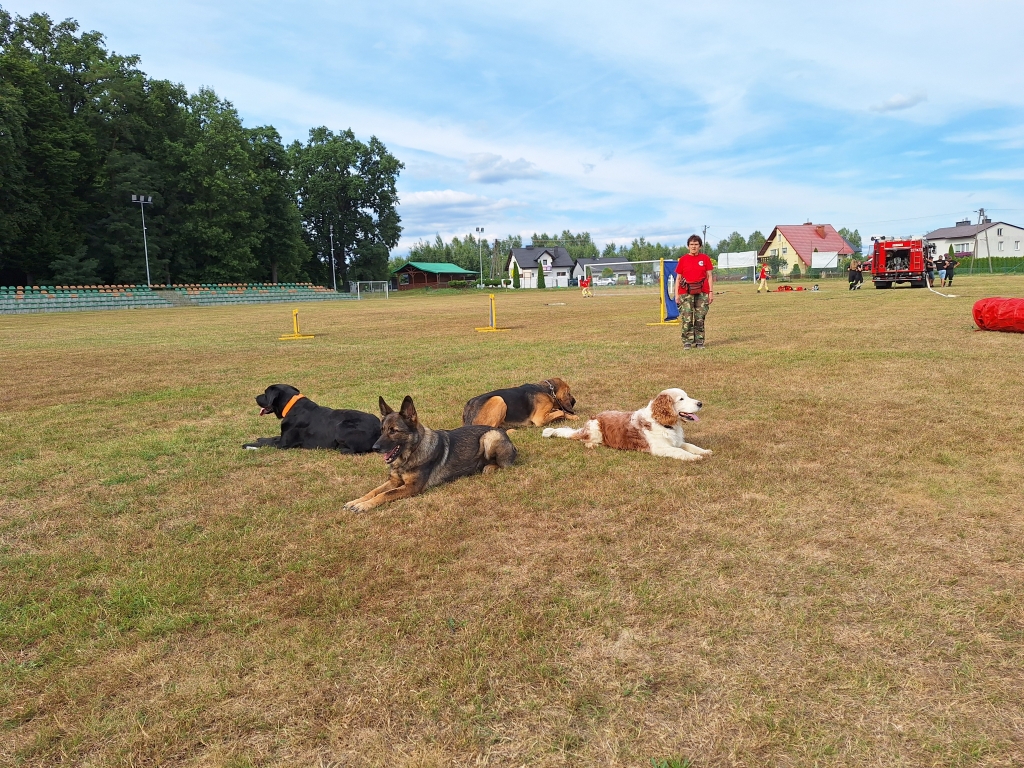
(624, 273)
(372, 288)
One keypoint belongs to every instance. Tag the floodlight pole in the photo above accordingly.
(143, 201)
(334, 274)
(480, 255)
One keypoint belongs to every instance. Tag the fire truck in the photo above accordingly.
(899, 260)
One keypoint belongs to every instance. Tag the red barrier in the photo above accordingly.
(997, 314)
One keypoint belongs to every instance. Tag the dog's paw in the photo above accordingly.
(356, 506)
(572, 417)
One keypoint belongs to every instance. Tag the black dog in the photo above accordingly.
(420, 458)
(308, 425)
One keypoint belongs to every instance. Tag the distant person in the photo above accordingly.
(940, 265)
(929, 270)
(762, 277)
(951, 265)
(694, 292)
(585, 285)
(854, 275)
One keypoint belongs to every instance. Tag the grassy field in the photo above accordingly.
(840, 584)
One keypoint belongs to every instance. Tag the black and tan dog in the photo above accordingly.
(420, 458)
(304, 424)
(536, 404)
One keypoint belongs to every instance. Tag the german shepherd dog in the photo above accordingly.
(536, 404)
(419, 458)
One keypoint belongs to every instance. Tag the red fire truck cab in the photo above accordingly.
(901, 260)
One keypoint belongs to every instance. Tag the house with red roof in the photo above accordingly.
(794, 244)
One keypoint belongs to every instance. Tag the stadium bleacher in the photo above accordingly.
(78, 298)
(207, 294)
(75, 298)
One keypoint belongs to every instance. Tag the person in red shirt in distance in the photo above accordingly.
(762, 277)
(694, 292)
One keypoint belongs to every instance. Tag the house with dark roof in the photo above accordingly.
(554, 260)
(989, 238)
(794, 244)
(421, 274)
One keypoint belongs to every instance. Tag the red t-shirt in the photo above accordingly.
(695, 269)
(763, 274)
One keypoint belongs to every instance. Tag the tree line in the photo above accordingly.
(82, 129)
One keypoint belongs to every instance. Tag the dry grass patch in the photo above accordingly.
(840, 584)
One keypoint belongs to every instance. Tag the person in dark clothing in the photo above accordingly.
(929, 270)
(951, 266)
(853, 274)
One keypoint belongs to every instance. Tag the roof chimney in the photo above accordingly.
(964, 223)
(820, 229)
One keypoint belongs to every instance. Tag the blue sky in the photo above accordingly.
(626, 119)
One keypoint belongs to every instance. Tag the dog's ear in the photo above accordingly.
(408, 411)
(663, 411)
(385, 409)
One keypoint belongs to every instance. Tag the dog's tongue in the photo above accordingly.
(264, 411)
(692, 417)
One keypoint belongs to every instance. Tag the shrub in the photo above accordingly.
(540, 277)
(795, 271)
(458, 283)
(515, 275)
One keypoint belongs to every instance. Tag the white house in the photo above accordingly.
(555, 261)
(990, 238)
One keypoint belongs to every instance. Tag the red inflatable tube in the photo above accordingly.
(1000, 315)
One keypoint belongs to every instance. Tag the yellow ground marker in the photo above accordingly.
(494, 320)
(295, 325)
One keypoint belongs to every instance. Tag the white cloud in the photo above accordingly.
(487, 168)
(899, 102)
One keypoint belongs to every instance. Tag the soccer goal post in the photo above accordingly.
(639, 273)
(372, 288)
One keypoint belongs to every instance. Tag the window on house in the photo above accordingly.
(775, 251)
(999, 232)
(785, 250)
(1016, 245)
(999, 245)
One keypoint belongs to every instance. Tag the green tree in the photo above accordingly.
(515, 274)
(540, 276)
(75, 269)
(951, 252)
(281, 253)
(853, 238)
(344, 183)
(607, 272)
(756, 241)
(222, 219)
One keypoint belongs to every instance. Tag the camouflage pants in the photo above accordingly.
(693, 308)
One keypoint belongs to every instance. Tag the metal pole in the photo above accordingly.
(145, 244)
(480, 255)
(334, 274)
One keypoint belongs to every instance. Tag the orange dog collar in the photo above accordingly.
(293, 401)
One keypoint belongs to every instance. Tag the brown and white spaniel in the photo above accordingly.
(656, 429)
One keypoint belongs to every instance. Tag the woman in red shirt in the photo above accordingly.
(694, 292)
